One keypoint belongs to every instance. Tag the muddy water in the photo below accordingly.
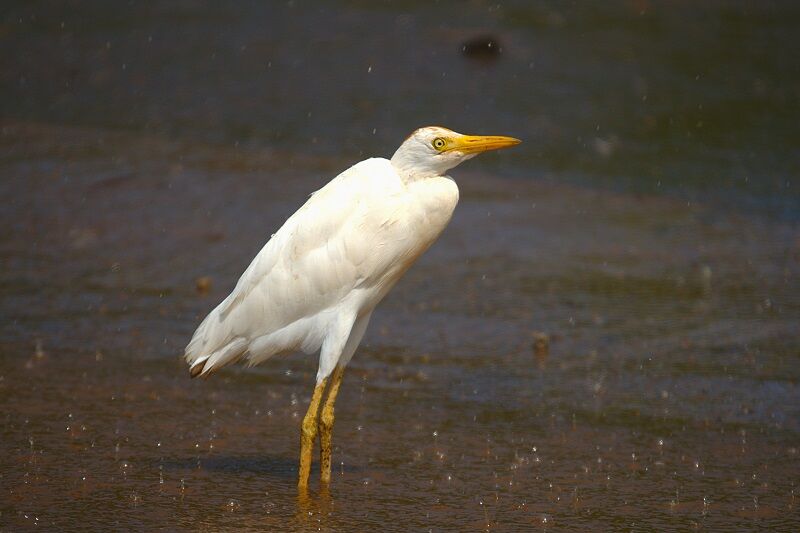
(660, 258)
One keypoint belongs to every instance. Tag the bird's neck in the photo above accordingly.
(410, 170)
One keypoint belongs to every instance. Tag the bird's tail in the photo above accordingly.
(212, 346)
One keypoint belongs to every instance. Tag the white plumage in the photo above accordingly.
(316, 282)
(326, 269)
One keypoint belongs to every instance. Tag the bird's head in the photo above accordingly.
(434, 150)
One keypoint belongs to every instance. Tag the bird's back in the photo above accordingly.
(339, 253)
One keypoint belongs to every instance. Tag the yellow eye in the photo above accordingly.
(439, 143)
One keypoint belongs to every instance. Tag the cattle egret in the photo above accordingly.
(316, 282)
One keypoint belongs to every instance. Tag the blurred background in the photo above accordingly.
(607, 336)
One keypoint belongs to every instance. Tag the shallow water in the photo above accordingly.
(666, 281)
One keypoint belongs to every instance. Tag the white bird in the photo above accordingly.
(316, 282)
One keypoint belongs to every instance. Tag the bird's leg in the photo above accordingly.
(326, 426)
(308, 433)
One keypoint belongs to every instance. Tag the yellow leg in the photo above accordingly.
(326, 426)
(308, 433)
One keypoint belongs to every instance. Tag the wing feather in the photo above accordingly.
(321, 253)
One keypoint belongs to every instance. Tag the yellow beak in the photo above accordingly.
(475, 144)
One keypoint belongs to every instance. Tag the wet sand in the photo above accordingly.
(668, 398)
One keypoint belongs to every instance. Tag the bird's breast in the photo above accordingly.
(407, 226)
(433, 201)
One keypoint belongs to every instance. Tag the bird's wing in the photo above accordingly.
(325, 241)
(323, 251)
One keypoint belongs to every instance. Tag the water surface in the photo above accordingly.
(647, 226)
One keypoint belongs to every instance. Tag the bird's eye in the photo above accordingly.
(438, 143)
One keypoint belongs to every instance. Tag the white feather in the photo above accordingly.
(315, 283)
